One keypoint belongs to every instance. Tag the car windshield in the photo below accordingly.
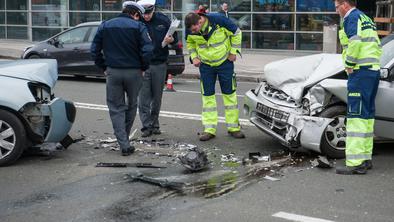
(388, 50)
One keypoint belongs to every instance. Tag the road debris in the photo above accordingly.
(271, 178)
(257, 157)
(195, 159)
(138, 165)
(322, 162)
(158, 182)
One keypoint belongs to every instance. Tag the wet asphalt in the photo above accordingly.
(66, 185)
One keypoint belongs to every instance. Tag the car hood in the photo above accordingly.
(37, 70)
(293, 75)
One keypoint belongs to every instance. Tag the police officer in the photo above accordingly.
(127, 47)
(152, 88)
(213, 42)
(361, 56)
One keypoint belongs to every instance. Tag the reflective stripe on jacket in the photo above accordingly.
(221, 38)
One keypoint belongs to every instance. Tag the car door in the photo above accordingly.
(87, 66)
(69, 48)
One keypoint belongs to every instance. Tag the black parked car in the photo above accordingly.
(71, 49)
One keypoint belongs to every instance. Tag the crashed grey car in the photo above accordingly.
(302, 102)
(30, 114)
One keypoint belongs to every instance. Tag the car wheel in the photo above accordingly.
(333, 142)
(34, 56)
(12, 138)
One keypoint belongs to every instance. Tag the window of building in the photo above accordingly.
(49, 18)
(76, 35)
(265, 40)
(277, 22)
(16, 32)
(2, 17)
(107, 16)
(315, 6)
(2, 4)
(16, 5)
(78, 5)
(17, 18)
(81, 17)
(273, 6)
(233, 5)
(112, 5)
(2, 32)
(310, 41)
(49, 5)
(243, 21)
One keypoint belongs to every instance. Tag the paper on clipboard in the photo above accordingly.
(174, 24)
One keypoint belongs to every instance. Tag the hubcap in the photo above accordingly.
(336, 133)
(7, 139)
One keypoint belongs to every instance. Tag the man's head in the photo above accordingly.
(133, 9)
(149, 7)
(194, 22)
(225, 6)
(343, 6)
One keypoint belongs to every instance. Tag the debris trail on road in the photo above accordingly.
(298, 218)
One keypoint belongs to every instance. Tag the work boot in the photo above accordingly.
(146, 133)
(368, 164)
(347, 170)
(237, 134)
(206, 136)
(128, 151)
(156, 131)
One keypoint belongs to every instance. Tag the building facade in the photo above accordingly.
(266, 24)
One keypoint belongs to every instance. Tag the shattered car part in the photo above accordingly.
(158, 182)
(194, 160)
(138, 165)
(321, 162)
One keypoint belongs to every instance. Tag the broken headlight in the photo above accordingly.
(41, 92)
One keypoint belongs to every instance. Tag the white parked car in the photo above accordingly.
(30, 114)
(302, 102)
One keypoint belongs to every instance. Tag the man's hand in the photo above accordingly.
(349, 70)
(232, 57)
(105, 73)
(168, 39)
(196, 62)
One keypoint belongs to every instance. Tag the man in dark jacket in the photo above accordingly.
(123, 48)
(152, 88)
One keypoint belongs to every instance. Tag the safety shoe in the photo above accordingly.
(237, 134)
(156, 131)
(347, 170)
(127, 152)
(206, 136)
(146, 133)
(368, 164)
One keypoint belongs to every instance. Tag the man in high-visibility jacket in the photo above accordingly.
(213, 42)
(361, 56)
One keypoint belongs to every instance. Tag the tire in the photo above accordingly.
(333, 141)
(13, 138)
(33, 56)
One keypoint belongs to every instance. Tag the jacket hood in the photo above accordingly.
(38, 70)
(293, 75)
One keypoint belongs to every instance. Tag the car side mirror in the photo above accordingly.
(384, 73)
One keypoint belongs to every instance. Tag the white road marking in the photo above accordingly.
(177, 115)
(298, 218)
(197, 92)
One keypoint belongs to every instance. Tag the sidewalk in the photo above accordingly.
(248, 68)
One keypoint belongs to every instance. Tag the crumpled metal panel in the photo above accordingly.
(293, 75)
(318, 98)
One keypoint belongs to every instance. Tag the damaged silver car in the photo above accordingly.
(302, 102)
(30, 114)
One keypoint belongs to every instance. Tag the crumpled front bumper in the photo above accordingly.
(286, 123)
(62, 116)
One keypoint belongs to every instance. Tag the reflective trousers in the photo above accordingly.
(225, 73)
(362, 89)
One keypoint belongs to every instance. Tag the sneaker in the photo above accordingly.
(156, 131)
(146, 133)
(237, 134)
(346, 170)
(206, 136)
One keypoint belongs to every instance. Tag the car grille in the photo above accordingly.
(272, 113)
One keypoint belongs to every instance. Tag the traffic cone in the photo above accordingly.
(169, 86)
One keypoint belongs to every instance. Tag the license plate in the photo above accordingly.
(272, 113)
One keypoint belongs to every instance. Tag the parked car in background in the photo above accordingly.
(303, 101)
(71, 49)
(30, 114)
